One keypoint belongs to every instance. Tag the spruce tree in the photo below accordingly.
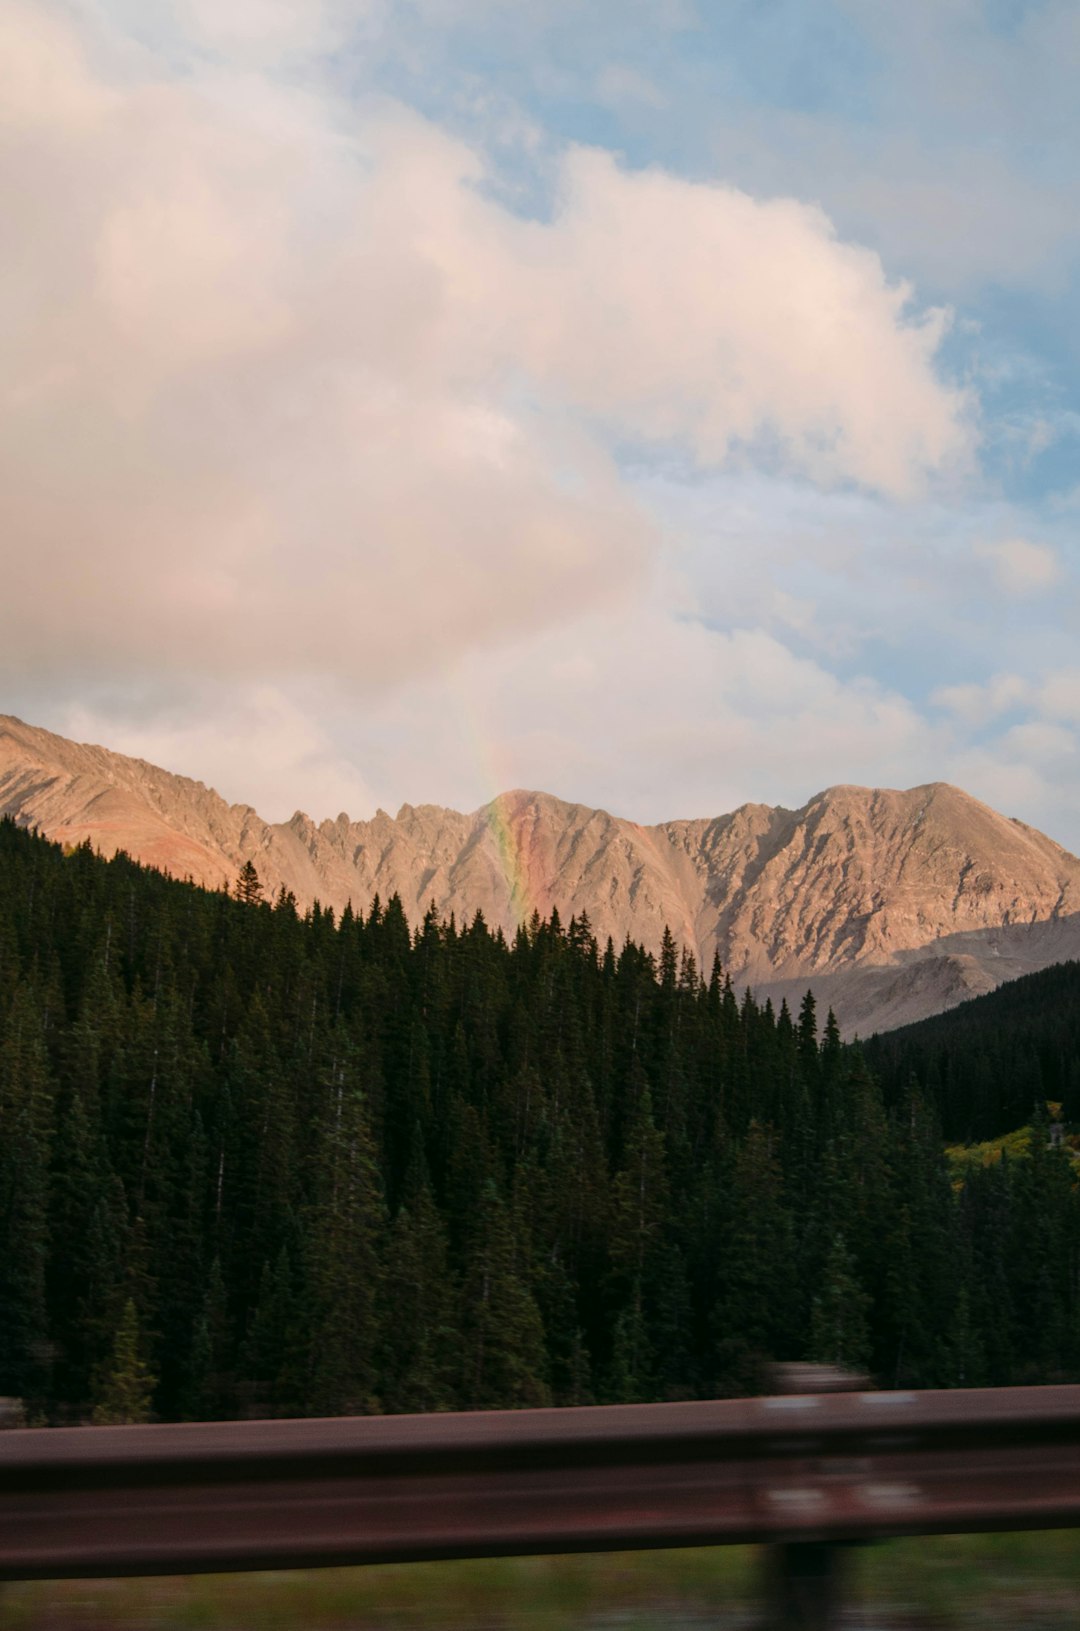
(505, 1358)
(342, 1234)
(126, 1387)
(25, 1350)
(420, 1356)
(248, 888)
(839, 1331)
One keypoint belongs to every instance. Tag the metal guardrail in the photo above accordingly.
(793, 1468)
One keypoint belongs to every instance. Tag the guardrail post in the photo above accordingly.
(803, 1586)
(803, 1578)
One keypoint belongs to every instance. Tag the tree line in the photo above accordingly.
(258, 1162)
(985, 1064)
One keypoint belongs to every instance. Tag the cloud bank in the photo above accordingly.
(321, 454)
(291, 392)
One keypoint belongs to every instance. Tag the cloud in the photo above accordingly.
(934, 201)
(976, 704)
(259, 747)
(268, 31)
(1022, 567)
(1028, 766)
(315, 454)
(979, 187)
(1015, 788)
(644, 713)
(46, 85)
(1059, 695)
(1031, 771)
(1039, 742)
(649, 714)
(289, 392)
(718, 320)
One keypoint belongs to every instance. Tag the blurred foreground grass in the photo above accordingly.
(967, 1581)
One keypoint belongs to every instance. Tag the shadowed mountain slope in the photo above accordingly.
(991, 1064)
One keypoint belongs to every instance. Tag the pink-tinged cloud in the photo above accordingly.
(289, 393)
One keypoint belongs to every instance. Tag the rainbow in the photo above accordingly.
(525, 870)
(528, 878)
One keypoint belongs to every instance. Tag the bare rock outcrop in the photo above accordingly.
(893, 905)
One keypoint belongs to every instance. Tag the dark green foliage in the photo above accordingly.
(126, 1387)
(987, 1064)
(259, 1163)
(248, 888)
(839, 1334)
(421, 1345)
(24, 1346)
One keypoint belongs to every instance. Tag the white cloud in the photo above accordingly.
(699, 314)
(1011, 786)
(269, 30)
(651, 715)
(1059, 695)
(1028, 767)
(1038, 742)
(1022, 567)
(976, 704)
(288, 393)
(941, 204)
(643, 710)
(293, 398)
(1032, 770)
(258, 747)
(46, 85)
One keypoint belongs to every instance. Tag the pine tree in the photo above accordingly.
(341, 1257)
(24, 1334)
(209, 1391)
(126, 1388)
(639, 1199)
(248, 887)
(505, 1359)
(839, 1332)
(806, 1038)
(272, 1362)
(753, 1318)
(420, 1354)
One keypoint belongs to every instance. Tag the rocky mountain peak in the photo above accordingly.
(894, 903)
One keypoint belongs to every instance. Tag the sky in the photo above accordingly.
(661, 403)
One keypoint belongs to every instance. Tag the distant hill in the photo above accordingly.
(894, 904)
(988, 1063)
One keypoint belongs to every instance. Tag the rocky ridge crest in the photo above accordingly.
(893, 904)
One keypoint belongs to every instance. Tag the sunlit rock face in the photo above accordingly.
(893, 905)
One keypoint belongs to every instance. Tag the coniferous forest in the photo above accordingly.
(987, 1063)
(259, 1163)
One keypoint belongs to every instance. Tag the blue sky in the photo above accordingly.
(664, 404)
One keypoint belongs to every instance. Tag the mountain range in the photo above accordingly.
(892, 904)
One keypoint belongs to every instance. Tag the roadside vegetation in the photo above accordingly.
(947, 1583)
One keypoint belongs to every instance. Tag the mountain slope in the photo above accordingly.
(989, 1063)
(895, 904)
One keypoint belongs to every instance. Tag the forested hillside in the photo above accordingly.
(258, 1163)
(988, 1062)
